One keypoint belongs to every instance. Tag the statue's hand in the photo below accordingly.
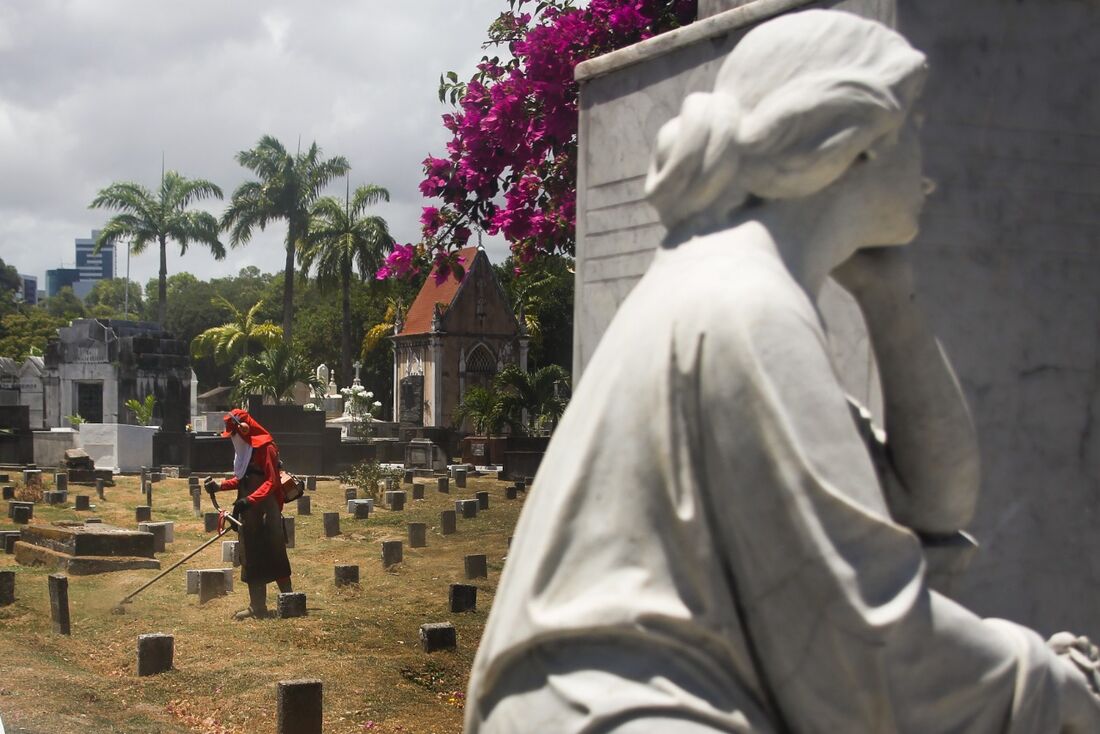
(877, 273)
(1081, 653)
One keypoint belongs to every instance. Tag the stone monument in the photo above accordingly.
(760, 557)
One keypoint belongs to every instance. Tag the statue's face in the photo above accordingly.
(892, 188)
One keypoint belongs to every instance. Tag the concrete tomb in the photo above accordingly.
(154, 654)
(462, 598)
(447, 524)
(80, 549)
(299, 707)
(476, 566)
(418, 534)
(392, 553)
(437, 636)
(291, 604)
(345, 574)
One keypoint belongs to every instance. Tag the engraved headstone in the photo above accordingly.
(154, 654)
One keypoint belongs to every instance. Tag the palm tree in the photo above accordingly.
(233, 338)
(542, 394)
(394, 307)
(273, 373)
(146, 218)
(484, 407)
(287, 188)
(340, 239)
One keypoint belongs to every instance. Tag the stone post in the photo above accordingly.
(59, 603)
(154, 654)
(99, 489)
(299, 707)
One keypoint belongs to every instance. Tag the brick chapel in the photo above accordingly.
(456, 335)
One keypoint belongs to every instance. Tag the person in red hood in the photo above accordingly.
(259, 507)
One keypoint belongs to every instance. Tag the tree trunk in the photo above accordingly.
(345, 327)
(288, 282)
(162, 285)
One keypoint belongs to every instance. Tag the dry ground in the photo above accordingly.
(361, 641)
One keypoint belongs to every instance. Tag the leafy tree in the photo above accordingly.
(65, 305)
(542, 394)
(148, 218)
(287, 188)
(143, 410)
(342, 238)
(542, 294)
(26, 331)
(232, 339)
(485, 408)
(512, 158)
(107, 299)
(11, 288)
(273, 373)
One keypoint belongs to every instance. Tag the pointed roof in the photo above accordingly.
(419, 318)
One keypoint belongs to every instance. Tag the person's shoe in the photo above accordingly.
(248, 613)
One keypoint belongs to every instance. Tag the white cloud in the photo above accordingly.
(95, 91)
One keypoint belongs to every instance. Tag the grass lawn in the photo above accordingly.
(361, 641)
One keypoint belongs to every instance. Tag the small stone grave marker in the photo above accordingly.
(143, 513)
(510, 493)
(438, 636)
(397, 502)
(392, 553)
(12, 504)
(291, 604)
(311, 483)
(99, 489)
(476, 566)
(305, 504)
(331, 522)
(463, 598)
(59, 603)
(7, 588)
(231, 552)
(61, 482)
(298, 707)
(408, 478)
(443, 485)
(9, 538)
(83, 502)
(210, 522)
(447, 524)
(211, 585)
(418, 490)
(154, 654)
(466, 508)
(350, 493)
(159, 533)
(418, 534)
(193, 576)
(288, 531)
(344, 574)
(8, 492)
(21, 515)
(482, 500)
(460, 478)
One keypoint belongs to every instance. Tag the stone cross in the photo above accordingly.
(357, 365)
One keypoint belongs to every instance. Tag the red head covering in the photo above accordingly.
(240, 421)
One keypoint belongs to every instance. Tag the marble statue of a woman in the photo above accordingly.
(715, 544)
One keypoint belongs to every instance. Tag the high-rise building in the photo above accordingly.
(92, 266)
(59, 278)
(29, 293)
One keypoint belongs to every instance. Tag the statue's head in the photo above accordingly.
(801, 103)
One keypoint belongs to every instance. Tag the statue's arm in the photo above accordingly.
(930, 435)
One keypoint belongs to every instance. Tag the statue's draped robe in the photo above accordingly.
(708, 541)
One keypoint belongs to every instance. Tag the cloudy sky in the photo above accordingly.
(94, 91)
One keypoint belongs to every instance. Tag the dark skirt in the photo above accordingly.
(263, 540)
